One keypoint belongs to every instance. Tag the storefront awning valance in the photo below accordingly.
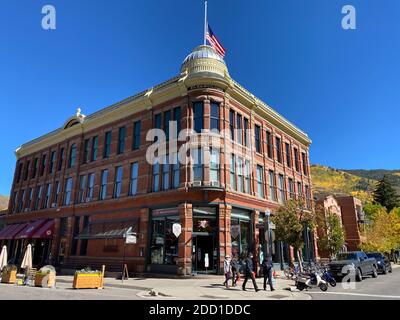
(13, 231)
(109, 229)
(30, 229)
(4, 231)
(46, 231)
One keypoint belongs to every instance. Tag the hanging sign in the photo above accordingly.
(177, 229)
(131, 239)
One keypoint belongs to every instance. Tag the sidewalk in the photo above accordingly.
(199, 289)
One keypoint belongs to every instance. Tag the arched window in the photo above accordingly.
(72, 156)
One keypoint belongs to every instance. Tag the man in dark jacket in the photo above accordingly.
(267, 267)
(235, 271)
(249, 273)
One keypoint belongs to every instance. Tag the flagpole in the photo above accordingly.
(205, 22)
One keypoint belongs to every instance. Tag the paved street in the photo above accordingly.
(385, 287)
(209, 288)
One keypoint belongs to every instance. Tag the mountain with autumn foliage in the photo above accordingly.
(3, 202)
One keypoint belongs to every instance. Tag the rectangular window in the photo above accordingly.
(305, 165)
(19, 172)
(177, 119)
(239, 128)
(68, 192)
(30, 198)
(43, 167)
(198, 112)
(21, 201)
(103, 186)
(74, 244)
(288, 155)
(176, 172)
(38, 197)
(270, 145)
(272, 194)
(240, 175)
(308, 196)
(90, 187)
(48, 196)
(214, 117)
(299, 191)
(281, 189)
(232, 124)
(60, 159)
(107, 145)
(214, 165)
(82, 188)
(296, 159)
(167, 119)
(121, 140)
(95, 148)
(157, 121)
(53, 158)
(247, 184)
(233, 172)
(291, 188)
(245, 128)
(35, 168)
(26, 172)
(72, 156)
(118, 182)
(134, 179)
(260, 181)
(86, 151)
(278, 149)
(57, 193)
(84, 242)
(136, 135)
(257, 134)
(198, 164)
(156, 177)
(165, 173)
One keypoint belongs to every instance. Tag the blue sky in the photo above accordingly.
(340, 86)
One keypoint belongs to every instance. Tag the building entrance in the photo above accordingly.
(204, 254)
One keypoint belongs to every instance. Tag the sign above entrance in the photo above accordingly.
(177, 229)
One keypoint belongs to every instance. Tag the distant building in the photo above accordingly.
(353, 219)
(328, 204)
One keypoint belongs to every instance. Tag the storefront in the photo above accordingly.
(241, 233)
(164, 250)
(204, 240)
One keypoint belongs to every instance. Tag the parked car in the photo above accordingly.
(384, 265)
(354, 261)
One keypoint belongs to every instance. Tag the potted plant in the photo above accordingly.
(88, 279)
(9, 274)
(46, 277)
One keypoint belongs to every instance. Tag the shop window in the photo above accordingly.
(164, 244)
(240, 237)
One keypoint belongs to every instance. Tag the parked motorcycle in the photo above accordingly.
(327, 276)
(309, 281)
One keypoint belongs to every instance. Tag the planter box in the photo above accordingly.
(40, 280)
(87, 281)
(9, 277)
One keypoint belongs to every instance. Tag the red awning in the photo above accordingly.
(30, 229)
(45, 232)
(16, 228)
(4, 231)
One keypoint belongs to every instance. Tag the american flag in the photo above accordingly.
(212, 39)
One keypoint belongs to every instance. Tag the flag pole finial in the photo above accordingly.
(205, 22)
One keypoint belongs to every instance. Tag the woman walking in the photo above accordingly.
(227, 271)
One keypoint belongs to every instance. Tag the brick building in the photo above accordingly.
(353, 219)
(80, 188)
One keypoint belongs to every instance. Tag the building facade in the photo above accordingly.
(78, 190)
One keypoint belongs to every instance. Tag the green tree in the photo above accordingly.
(385, 194)
(290, 221)
(332, 235)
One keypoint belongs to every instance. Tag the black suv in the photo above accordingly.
(384, 265)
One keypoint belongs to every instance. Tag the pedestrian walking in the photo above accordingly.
(235, 272)
(249, 273)
(267, 269)
(227, 271)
